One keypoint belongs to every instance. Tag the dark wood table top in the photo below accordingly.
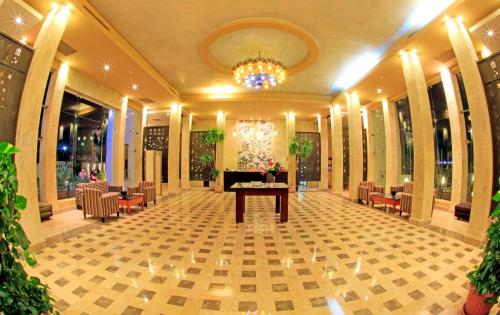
(258, 186)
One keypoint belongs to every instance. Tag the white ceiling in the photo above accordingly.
(168, 34)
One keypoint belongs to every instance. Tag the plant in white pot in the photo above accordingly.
(485, 278)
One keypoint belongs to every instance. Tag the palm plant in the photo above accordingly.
(301, 150)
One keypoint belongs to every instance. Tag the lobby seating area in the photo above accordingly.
(228, 157)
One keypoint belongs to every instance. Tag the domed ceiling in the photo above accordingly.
(171, 35)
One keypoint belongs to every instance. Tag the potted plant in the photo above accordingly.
(210, 139)
(485, 278)
(19, 293)
(299, 151)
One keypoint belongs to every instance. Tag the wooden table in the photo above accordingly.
(131, 201)
(386, 199)
(279, 190)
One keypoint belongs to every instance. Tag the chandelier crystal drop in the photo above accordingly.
(259, 73)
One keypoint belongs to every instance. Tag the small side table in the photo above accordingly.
(128, 202)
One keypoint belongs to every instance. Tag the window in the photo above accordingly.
(81, 143)
(468, 131)
(442, 141)
(405, 137)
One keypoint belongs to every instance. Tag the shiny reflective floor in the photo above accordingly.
(188, 256)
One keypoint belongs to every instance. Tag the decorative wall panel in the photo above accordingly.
(310, 169)
(196, 150)
(156, 138)
(14, 63)
(255, 145)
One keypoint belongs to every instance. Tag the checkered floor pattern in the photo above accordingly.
(188, 256)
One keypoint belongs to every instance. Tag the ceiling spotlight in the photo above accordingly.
(24, 40)
(490, 33)
(379, 91)
(107, 67)
(19, 20)
(135, 86)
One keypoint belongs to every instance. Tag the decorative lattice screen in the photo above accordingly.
(310, 169)
(196, 150)
(156, 138)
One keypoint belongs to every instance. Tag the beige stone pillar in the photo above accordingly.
(423, 138)
(337, 150)
(219, 153)
(391, 144)
(48, 144)
(292, 159)
(120, 121)
(131, 135)
(29, 116)
(458, 138)
(481, 136)
(371, 158)
(323, 130)
(355, 144)
(174, 148)
(187, 121)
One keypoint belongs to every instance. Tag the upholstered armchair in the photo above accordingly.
(366, 189)
(406, 188)
(406, 204)
(102, 186)
(100, 204)
(145, 189)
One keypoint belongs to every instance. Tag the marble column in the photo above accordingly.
(174, 148)
(423, 139)
(118, 163)
(219, 153)
(458, 138)
(355, 144)
(337, 150)
(28, 118)
(50, 129)
(187, 121)
(391, 144)
(292, 159)
(481, 136)
(323, 130)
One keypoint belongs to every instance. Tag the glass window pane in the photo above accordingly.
(405, 137)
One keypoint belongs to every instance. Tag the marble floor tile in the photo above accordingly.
(187, 255)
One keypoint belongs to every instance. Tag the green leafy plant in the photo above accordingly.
(301, 150)
(19, 293)
(209, 140)
(486, 276)
(63, 178)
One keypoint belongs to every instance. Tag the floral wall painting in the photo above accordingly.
(255, 144)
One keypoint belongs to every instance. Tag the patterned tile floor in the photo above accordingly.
(187, 256)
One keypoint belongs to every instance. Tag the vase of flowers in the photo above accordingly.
(272, 170)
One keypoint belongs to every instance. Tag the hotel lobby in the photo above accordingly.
(227, 157)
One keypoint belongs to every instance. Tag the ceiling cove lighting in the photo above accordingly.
(356, 69)
(259, 73)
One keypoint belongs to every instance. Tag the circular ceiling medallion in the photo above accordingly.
(242, 39)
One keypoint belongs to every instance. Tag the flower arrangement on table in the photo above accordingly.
(272, 169)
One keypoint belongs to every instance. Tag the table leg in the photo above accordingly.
(240, 206)
(284, 207)
(129, 209)
(278, 197)
(142, 204)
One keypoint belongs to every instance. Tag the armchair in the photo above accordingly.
(366, 189)
(102, 186)
(100, 204)
(145, 189)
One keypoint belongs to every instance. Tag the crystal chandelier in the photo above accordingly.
(259, 73)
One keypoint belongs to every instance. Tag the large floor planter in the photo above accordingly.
(475, 303)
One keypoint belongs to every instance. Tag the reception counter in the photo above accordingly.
(231, 177)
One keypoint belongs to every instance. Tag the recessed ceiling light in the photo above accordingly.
(19, 20)
(490, 33)
(135, 86)
(107, 67)
(379, 91)
(24, 40)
